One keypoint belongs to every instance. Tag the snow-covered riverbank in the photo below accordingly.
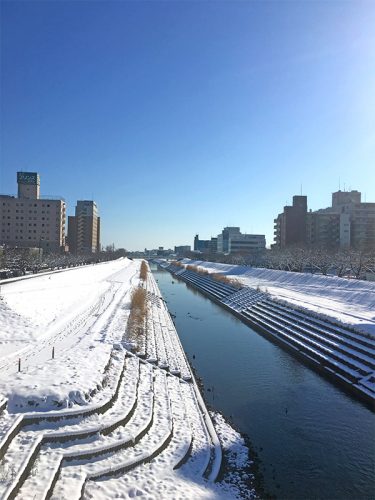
(128, 423)
(351, 302)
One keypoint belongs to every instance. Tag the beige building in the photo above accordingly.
(29, 220)
(84, 228)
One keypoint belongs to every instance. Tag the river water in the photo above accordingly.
(313, 440)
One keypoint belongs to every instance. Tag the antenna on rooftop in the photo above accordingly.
(301, 188)
(339, 184)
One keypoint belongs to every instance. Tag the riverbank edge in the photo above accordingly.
(321, 370)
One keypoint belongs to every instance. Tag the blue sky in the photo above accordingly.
(184, 117)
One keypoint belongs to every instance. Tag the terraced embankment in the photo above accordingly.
(342, 354)
(146, 409)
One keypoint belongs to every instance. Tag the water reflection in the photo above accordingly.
(313, 439)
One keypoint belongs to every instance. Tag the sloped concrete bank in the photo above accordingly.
(342, 355)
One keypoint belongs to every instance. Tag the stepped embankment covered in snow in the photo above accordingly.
(342, 353)
(90, 414)
(349, 301)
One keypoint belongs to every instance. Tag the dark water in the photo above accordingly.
(313, 440)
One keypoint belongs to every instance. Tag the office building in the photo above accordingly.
(182, 249)
(246, 243)
(231, 240)
(30, 220)
(205, 246)
(223, 239)
(84, 229)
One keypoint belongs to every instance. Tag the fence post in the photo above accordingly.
(53, 352)
(19, 364)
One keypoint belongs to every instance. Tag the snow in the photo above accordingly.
(97, 410)
(351, 302)
(155, 479)
(78, 313)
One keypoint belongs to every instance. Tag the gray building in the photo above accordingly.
(231, 240)
(84, 228)
(247, 243)
(356, 220)
(205, 246)
(182, 249)
(30, 220)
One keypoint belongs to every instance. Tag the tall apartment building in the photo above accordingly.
(84, 228)
(362, 216)
(290, 225)
(348, 223)
(29, 220)
(323, 229)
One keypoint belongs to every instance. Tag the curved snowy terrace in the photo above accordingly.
(97, 410)
(351, 302)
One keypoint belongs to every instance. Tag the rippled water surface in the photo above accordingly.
(313, 440)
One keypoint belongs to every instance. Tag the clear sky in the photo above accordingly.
(184, 117)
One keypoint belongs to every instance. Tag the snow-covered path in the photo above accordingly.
(85, 313)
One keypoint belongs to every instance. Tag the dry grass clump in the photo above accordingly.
(177, 263)
(138, 301)
(196, 269)
(203, 271)
(215, 276)
(144, 270)
(136, 327)
(226, 280)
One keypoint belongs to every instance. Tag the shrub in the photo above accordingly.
(136, 327)
(144, 270)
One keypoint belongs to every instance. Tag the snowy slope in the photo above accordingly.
(99, 421)
(80, 314)
(350, 301)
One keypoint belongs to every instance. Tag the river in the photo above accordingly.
(313, 440)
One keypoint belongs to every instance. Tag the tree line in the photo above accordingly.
(344, 263)
(20, 261)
